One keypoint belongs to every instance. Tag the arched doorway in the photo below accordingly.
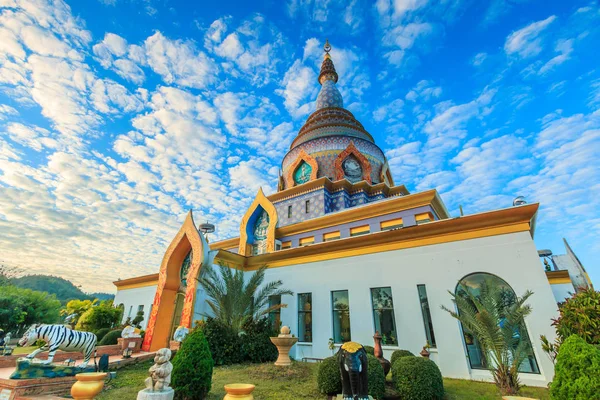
(477, 359)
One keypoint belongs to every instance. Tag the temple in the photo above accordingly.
(361, 255)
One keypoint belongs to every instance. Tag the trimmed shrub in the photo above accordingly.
(192, 368)
(329, 380)
(256, 343)
(110, 338)
(376, 377)
(370, 350)
(224, 344)
(576, 372)
(417, 378)
(400, 353)
(100, 333)
(580, 315)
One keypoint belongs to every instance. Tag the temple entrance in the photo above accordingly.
(177, 313)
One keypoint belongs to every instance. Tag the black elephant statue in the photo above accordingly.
(353, 367)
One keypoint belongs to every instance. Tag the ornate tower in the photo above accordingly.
(333, 143)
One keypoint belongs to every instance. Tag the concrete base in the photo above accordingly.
(147, 394)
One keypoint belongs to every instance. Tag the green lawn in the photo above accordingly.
(24, 350)
(297, 382)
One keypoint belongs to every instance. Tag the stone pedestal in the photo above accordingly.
(284, 343)
(239, 391)
(147, 394)
(135, 344)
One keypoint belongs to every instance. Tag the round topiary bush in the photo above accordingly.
(376, 377)
(417, 378)
(400, 353)
(370, 350)
(329, 380)
(576, 371)
(100, 333)
(110, 338)
(192, 368)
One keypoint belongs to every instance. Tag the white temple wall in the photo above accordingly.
(132, 299)
(512, 257)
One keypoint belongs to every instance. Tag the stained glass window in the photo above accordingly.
(302, 173)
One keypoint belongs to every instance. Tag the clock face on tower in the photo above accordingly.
(352, 169)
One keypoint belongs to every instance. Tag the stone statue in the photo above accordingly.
(130, 332)
(160, 372)
(352, 358)
(180, 333)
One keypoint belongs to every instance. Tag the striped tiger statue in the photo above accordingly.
(59, 337)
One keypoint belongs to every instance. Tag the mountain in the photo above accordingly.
(62, 288)
(102, 296)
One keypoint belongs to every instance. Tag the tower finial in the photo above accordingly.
(327, 68)
(327, 46)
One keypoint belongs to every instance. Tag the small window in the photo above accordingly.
(305, 317)
(331, 236)
(290, 211)
(307, 240)
(129, 313)
(423, 218)
(426, 315)
(341, 316)
(141, 308)
(286, 245)
(360, 230)
(307, 206)
(275, 315)
(391, 224)
(383, 315)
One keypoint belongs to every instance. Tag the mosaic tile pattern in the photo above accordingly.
(329, 96)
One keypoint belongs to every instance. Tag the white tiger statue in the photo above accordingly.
(59, 337)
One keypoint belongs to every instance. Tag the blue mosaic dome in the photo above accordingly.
(329, 96)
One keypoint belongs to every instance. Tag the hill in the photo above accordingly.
(62, 288)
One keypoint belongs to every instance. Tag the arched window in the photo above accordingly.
(477, 359)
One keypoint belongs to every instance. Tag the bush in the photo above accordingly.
(417, 378)
(100, 333)
(370, 350)
(576, 371)
(256, 343)
(376, 377)
(329, 380)
(104, 315)
(399, 354)
(110, 338)
(192, 368)
(580, 315)
(224, 344)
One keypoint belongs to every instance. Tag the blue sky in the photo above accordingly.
(117, 116)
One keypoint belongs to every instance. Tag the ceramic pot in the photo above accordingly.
(239, 391)
(88, 385)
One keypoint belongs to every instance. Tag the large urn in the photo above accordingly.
(379, 354)
(284, 343)
(88, 385)
(239, 391)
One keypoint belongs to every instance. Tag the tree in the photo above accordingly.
(7, 275)
(20, 308)
(580, 315)
(497, 320)
(139, 317)
(104, 315)
(75, 309)
(234, 301)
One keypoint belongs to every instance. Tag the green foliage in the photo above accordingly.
(493, 315)
(577, 371)
(100, 333)
(399, 354)
(580, 315)
(139, 317)
(234, 300)
(75, 309)
(370, 350)
(417, 378)
(62, 288)
(104, 315)
(20, 308)
(256, 343)
(329, 380)
(223, 342)
(192, 368)
(110, 338)
(376, 377)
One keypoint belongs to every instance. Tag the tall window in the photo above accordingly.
(307, 206)
(305, 317)
(383, 315)
(426, 315)
(477, 358)
(289, 211)
(140, 308)
(341, 316)
(275, 315)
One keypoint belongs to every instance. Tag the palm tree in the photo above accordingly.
(497, 320)
(235, 301)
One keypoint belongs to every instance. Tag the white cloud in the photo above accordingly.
(527, 41)
(478, 59)
(565, 48)
(299, 89)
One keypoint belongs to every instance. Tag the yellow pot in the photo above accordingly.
(88, 385)
(239, 391)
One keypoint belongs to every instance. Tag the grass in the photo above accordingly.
(296, 382)
(24, 350)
